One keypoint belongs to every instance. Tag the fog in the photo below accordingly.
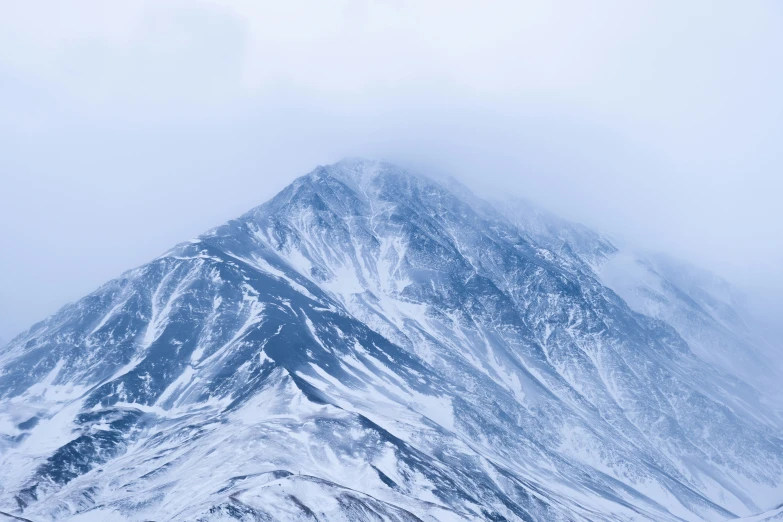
(130, 126)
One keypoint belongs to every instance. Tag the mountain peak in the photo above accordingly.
(373, 344)
(360, 173)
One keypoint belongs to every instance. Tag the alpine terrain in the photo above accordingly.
(374, 345)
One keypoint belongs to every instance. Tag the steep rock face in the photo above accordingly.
(372, 345)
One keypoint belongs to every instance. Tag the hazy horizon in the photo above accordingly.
(128, 129)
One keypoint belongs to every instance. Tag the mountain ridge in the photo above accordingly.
(364, 292)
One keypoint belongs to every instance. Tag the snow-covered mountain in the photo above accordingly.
(704, 309)
(373, 345)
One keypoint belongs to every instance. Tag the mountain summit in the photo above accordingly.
(373, 345)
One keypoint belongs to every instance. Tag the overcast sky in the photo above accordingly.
(130, 126)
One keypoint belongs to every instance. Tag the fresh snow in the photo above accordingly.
(372, 345)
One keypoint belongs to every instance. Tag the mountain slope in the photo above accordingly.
(371, 345)
(769, 516)
(704, 309)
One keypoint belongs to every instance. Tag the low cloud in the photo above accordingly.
(130, 128)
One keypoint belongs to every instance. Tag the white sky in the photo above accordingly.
(130, 126)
